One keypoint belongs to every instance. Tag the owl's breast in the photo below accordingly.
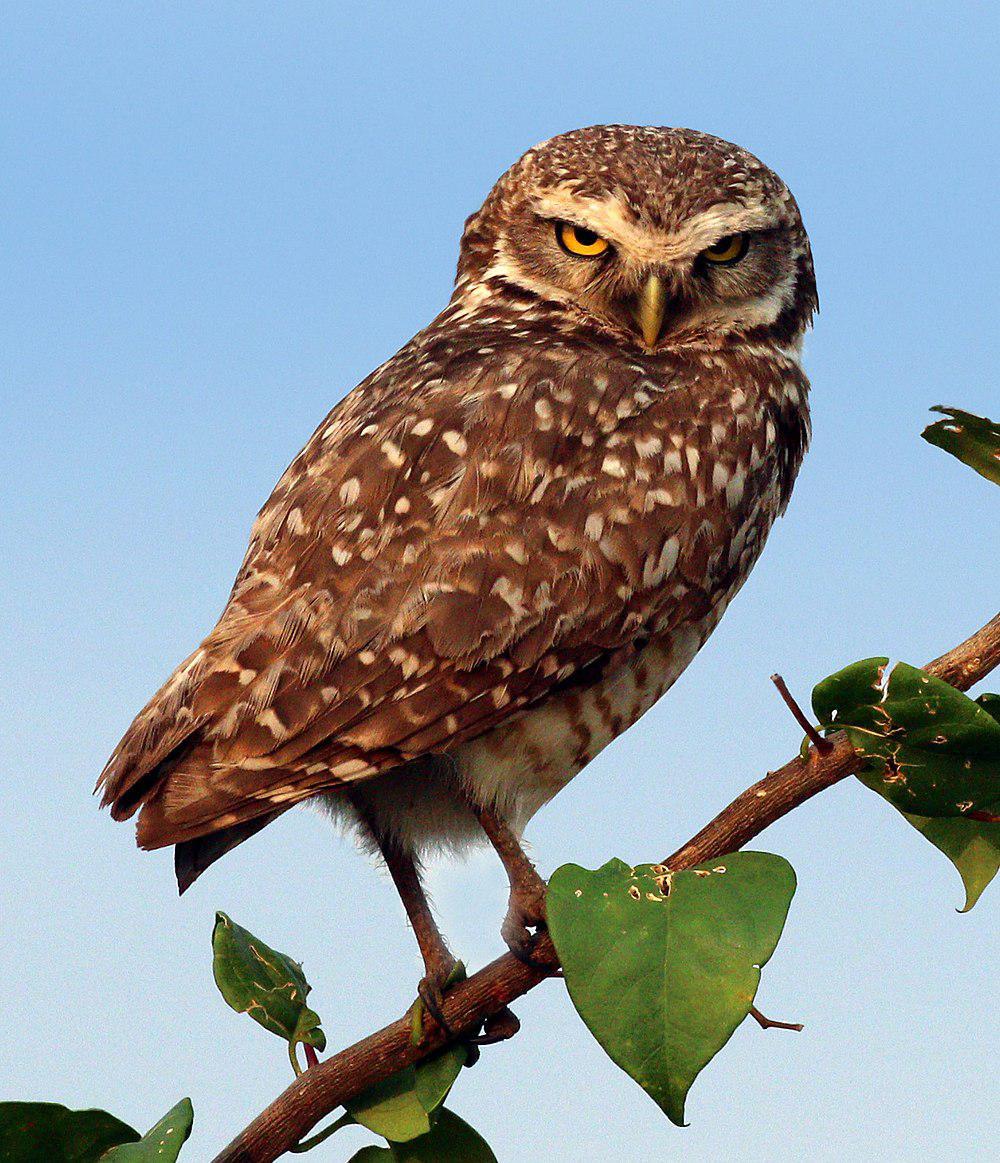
(702, 474)
(523, 764)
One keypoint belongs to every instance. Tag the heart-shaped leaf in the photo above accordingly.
(663, 966)
(161, 1144)
(270, 987)
(971, 845)
(450, 1140)
(33, 1131)
(931, 750)
(973, 439)
(400, 1108)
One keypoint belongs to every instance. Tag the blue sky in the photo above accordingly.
(216, 220)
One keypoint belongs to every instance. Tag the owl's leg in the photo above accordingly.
(438, 961)
(526, 910)
(441, 969)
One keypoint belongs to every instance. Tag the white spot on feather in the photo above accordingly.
(656, 568)
(456, 442)
(594, 527)
(351, 767)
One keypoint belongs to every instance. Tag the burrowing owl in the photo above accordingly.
(505, 544)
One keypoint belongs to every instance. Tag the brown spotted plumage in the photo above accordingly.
(504, 545)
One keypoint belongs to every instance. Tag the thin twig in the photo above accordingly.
(770, 1024)
(823, 746)
(338, 1079)
(984, 817)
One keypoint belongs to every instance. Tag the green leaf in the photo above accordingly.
(450, 1140)
(973, 439)
(662, 966)
(161, 1144)
(270, 987)
(857, 687)
(971, 845)
(33, 1131)
(400, 1108)
(930, 749)
(991, 705)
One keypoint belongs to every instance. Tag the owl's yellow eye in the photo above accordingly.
(727, 250)
(580, 241)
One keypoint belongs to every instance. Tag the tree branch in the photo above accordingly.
(325, 1087)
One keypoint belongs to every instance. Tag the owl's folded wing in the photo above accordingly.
(424, 570)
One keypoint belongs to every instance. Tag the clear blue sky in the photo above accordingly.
(216, 220)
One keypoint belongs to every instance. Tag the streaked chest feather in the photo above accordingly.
(523, 764)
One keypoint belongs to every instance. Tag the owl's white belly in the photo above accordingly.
(519, 767)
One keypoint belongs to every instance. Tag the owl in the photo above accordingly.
(504, 545)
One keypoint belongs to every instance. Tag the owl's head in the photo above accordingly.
(658, 236)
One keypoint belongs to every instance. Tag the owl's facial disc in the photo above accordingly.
(725, 271)
(657, 236)
(650, 305)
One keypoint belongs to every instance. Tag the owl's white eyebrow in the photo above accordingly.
(608, 218)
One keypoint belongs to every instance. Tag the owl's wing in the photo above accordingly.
(434, 561)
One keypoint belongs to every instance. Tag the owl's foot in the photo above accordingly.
(431, 990)
(441, 970)
(525, 919)
(498, 1027)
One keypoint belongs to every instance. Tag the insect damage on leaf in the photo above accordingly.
(663, 966)
(32, 1132)
(160, 1144)
(930, 749)
(974, 440)
(268, 986)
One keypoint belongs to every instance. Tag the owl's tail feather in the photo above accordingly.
(192, 857)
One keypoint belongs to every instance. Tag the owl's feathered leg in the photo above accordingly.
(526, 910)
(441, 969)
(438, 961)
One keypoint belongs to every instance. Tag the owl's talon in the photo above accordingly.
(498, 1027)
(523, 945)
(431, 992)
(525, 923)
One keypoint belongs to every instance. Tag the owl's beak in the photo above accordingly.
(649, 307)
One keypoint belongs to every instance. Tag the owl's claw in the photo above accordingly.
(498, 1027)
(526, 911)
(431, 991)
(525, 922)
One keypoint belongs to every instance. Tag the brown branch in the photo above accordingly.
(325, 1087)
